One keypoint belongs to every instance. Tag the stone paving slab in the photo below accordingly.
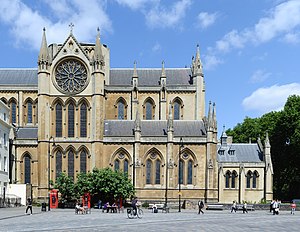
(14, 219)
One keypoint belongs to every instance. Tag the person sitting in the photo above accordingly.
(154, 208)
(79, 209)
(114, 208)
(106, 207)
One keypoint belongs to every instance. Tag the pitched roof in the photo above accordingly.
(150, 77)
(154, 128)
(118, 77)
(242, 152)
(27, 133)
(25, 76)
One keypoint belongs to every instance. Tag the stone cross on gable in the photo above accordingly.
(71, 25)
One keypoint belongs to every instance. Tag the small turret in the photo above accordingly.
(197, 64)
(44, 58)
(134, 76)
(170, 119)
(98, 59)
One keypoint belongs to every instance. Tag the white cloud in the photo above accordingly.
(156, 47)
(159, 16)
(292, 38)
(26, 23)
(210, 61)
(272, 98)
(134, 4)
(205, 19)
(259, 76)
(280, 22)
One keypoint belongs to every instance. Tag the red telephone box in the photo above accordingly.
(86, 200)
(54, 199)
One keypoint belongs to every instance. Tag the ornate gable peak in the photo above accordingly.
(71, 47)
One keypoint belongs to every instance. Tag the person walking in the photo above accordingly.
(245, 207)
(233, 207)
(29, 205)
(293, 207)
(200, 206)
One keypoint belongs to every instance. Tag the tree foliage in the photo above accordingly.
(106, 183)
(284, 133)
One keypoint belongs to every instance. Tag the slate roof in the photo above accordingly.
(154, 128)
(243, 152)
(27, 133)
(19, 76)
(150, 77)
(118, 77)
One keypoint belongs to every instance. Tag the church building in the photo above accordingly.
(74, 112)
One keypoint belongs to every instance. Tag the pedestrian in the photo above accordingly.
(275, 207)
(245, 207)
(271, 206)
(201, 206)
(293, 207)
(29, 205)
(233, 207)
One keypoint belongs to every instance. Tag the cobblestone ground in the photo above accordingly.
(14, 219)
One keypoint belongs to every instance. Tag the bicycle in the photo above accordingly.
(131, 215)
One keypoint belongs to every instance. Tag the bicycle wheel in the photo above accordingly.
(130, 213)
(140, 213)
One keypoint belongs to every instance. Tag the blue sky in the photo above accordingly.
(249, 49)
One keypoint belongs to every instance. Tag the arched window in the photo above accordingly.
(83, 120)
(157, 172)
(83, 161)
(126, 166)
(71, 164)
(248, 179)
(121, 110)
(176, 110)
(181, 172)
(29, 112)
(58, 164)
(149, 110)
(148, 172)
(36, 112)
(117, 165)
(190, 172)
(71, 120)
(27, 169)
(254, 180)
(227, 179)
(58, 120)
(233, 179)
(13, 110)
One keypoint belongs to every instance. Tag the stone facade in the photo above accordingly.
(74, 113)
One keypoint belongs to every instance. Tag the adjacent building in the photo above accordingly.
(4, 150)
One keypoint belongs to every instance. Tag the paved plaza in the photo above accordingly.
(14, 219)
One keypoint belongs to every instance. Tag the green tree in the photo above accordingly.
(105, 183)
(65, 186)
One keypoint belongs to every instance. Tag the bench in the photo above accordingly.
(214, 207)
(249, 207)
(159, 207)
(86, 210)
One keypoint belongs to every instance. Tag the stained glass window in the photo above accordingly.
(58, 118)
(190, 172)
(58, 164)
(148, 171)
(83, 161)
(27, 169)
(71, 164)
(71, 120)
(157, 172)
(83, 120)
